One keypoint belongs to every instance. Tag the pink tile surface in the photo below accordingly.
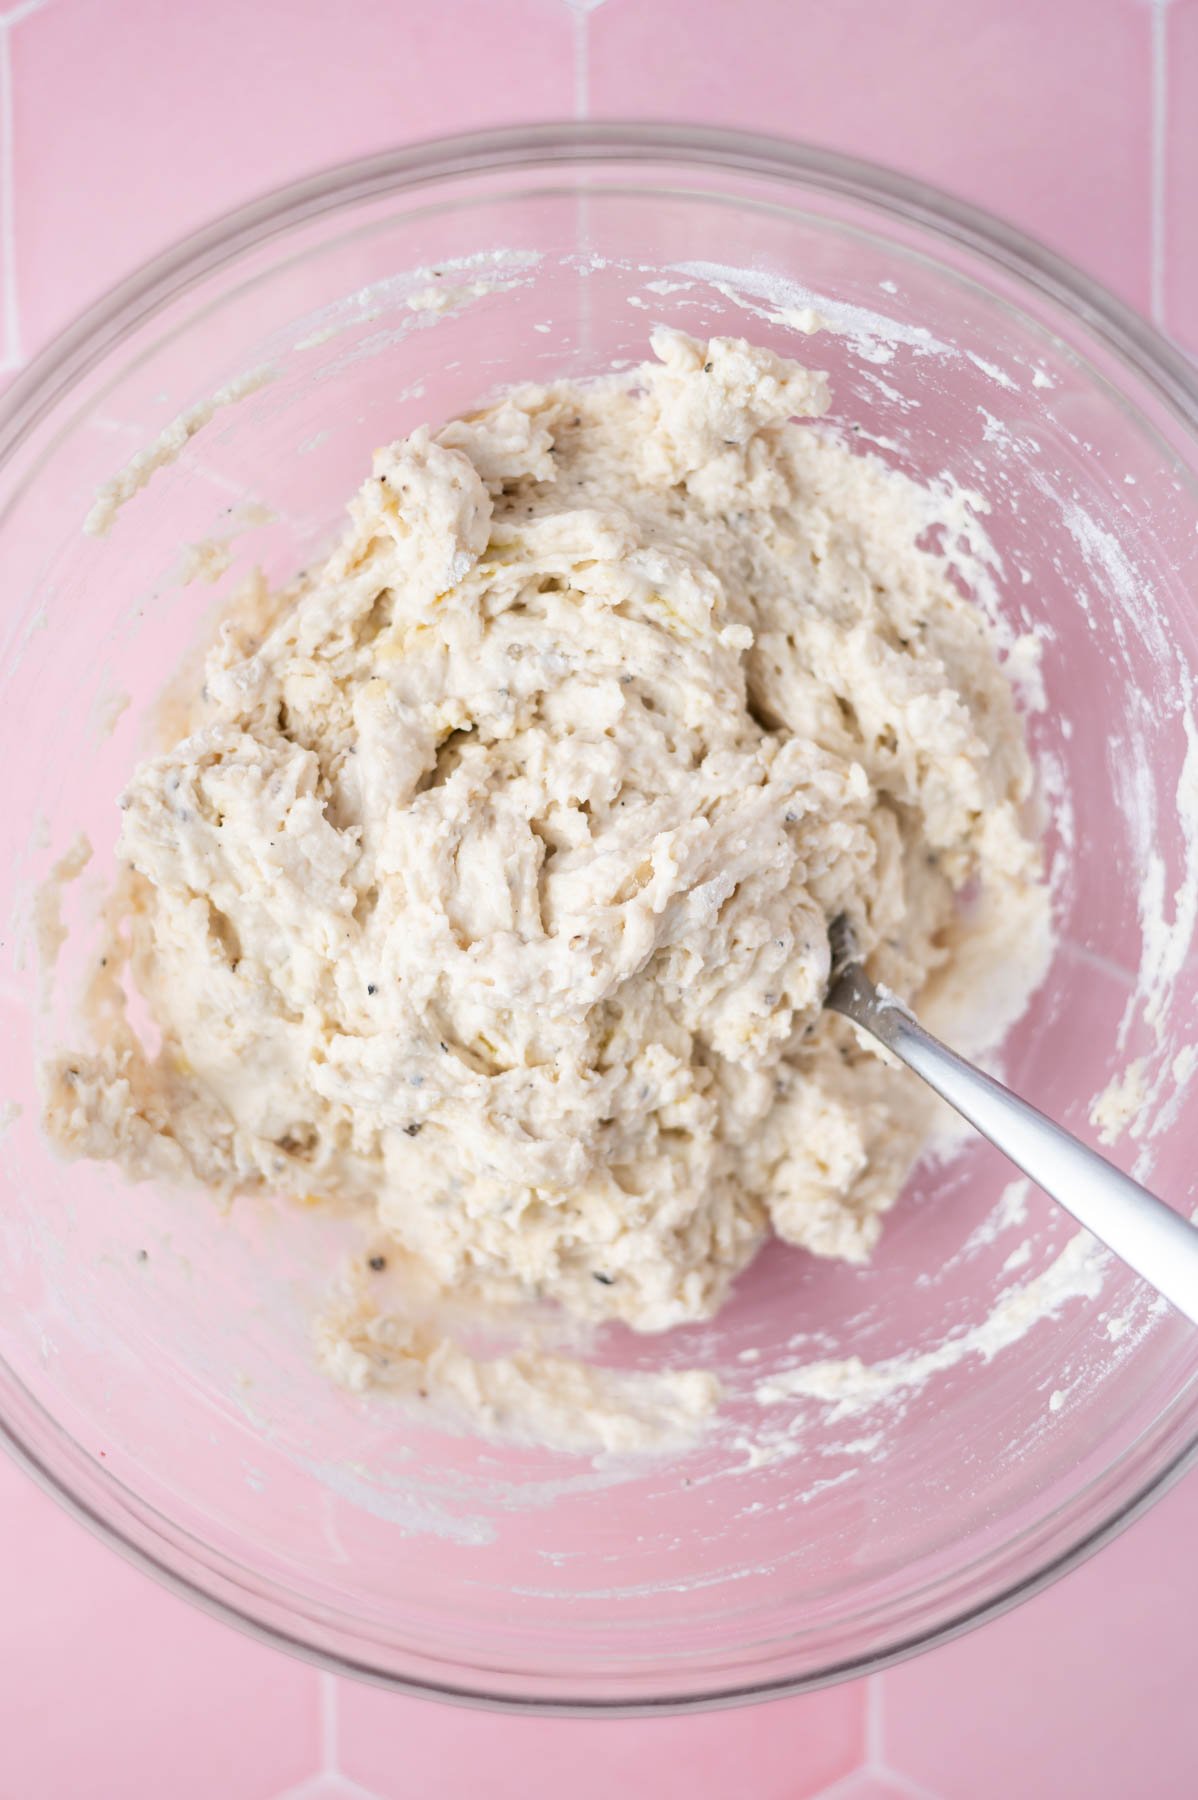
(111, 1685)
(124, 123)
(179, 112)
(1039, 112)
(1176, 65)
(788, 1751)
(1087, 1690)
(867, 1784)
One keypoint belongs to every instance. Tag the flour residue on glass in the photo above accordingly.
(799, 1398)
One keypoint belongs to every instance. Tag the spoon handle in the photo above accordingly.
(1151, 1238)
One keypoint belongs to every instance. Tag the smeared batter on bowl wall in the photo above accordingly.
(488, 885)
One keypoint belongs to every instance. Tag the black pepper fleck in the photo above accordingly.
(707, 368)
(370, 988)
(415, 1129)
(143, 1256)
(603, 1280)
(378, 1264)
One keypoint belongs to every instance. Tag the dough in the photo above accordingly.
(488, 888)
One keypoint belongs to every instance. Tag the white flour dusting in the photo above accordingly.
(1168, 905)
(1120, 1105)
(167, 446)
(850, 1386)
(787, 302)
(1009, 1210)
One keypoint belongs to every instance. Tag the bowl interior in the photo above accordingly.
(158, 1359)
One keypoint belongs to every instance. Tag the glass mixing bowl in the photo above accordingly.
(157, 1367)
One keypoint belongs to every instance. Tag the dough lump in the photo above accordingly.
(489, 886)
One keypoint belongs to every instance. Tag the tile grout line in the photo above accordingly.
(874, 1746)
(914, 1790)
(8, 232)
(15, 14)
(871, 1763)
(317, 1787)
(1095, 959)
(329, 1721)
(582, 74)
(844, 1787)
(1159, 158)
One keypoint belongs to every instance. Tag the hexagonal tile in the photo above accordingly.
(1085, 1690)
(112, 1685)
(787, 1750)
(1177, 30)
(867, 1784)
(10, 349)
(1039, 112)
(327, 1787)
(177, 112)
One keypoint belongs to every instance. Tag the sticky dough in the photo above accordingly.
(488, 888)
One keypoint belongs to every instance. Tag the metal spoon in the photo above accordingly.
(1150, 1237)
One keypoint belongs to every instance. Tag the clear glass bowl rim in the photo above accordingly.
(100, 329)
